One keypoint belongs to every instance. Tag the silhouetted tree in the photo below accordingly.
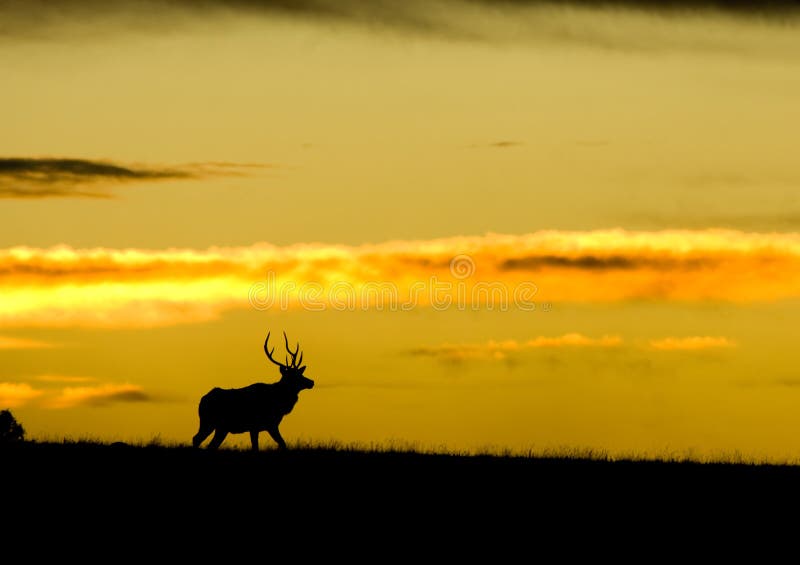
(10, 429)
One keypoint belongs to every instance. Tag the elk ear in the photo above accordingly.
(302, 369)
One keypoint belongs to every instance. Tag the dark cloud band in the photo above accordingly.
(23, 177)
(601, 263)
(739, 6)
(48, 178)
(119, 396)
(35, 18)
(53, 170)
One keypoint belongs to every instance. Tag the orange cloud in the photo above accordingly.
(499, 350)
(573, 339)
(693, 343)
(63, 379)
(7, 342)
(101, 287)
(13, 395)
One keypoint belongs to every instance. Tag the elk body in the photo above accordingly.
(257, 408)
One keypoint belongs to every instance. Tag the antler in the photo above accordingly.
(295, 363)
(269, 351)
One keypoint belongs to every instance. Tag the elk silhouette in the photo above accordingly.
(257, 408)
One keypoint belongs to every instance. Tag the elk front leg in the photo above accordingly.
(254, 439)
(276, 435)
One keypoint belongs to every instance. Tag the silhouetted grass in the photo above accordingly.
(87, 447)
(333, 456)
(381, 489)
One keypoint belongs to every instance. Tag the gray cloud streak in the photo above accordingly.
(56, 169)
(122, 396)
(32, 18)
(601, 263)
(48, 178)
(31, 178)
(37, 18)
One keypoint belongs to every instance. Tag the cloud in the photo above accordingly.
(791, 382)
(8, 342)
(64, 379)
(100, 395)
(736, 6)
(54, 170)
(786, 220)
(584, 262)
(425, 15)
(505, 144)
(500, 350)
(49, 177)
(102, 287)
(600, 24)
(573, 340)
(21, 18)
(693, 343)
(13, 395)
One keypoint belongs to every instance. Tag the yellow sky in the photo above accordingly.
(632, 173)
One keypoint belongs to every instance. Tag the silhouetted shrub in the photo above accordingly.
(10, 429)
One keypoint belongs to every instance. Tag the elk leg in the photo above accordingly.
(276, 435)
(254, 439)
(201, 436)
(218, 438)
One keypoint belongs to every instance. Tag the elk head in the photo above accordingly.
(291, 371)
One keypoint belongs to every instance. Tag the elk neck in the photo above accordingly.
(288, 388)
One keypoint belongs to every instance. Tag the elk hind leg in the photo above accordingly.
(201, 435)
(254, 439)
(218, 438)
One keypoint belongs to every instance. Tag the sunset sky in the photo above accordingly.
(507, 225)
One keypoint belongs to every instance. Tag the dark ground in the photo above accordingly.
(399, 497)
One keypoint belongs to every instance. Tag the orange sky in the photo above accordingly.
(524, 226)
